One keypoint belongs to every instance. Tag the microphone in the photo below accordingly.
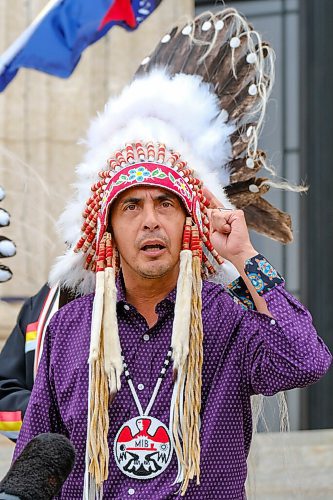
(40, 470)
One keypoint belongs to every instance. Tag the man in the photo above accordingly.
(16, 366)
(258, 356)
(163, 409)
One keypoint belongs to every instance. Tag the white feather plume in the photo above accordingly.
(69, 272)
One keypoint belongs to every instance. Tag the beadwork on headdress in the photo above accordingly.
(135, 164)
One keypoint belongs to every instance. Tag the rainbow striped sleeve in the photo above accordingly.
(10, 423)
(31, 337)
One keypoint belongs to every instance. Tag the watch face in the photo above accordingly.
(143, 448)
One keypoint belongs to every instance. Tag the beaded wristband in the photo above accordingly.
(263, 277)
(262, 274)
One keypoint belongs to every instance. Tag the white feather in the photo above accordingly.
(181, 323)
(69, 272)
(226, 273)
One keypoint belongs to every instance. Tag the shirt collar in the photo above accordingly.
(121, 291)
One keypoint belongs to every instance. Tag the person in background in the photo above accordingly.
(20, 354)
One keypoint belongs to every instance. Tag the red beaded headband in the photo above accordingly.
(144, 164)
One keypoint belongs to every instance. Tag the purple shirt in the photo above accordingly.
(245, 353)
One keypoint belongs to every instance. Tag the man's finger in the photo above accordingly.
(221, 227)
(225, 228)
(219, 222)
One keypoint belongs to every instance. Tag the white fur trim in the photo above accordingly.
(112, 350)
(181, 324)
(97, 317)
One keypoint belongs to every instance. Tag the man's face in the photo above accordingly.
(147, 225)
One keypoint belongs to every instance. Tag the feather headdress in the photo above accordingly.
(191, 116)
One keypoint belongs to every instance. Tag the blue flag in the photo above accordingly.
(53, 43)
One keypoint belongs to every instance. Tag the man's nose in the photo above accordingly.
(150, 220)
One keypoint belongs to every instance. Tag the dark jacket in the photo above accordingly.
(17, 364)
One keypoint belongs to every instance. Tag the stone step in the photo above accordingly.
(295, 465)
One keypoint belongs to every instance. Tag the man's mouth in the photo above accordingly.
(152, 248)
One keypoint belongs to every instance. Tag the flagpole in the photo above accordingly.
(17, 45)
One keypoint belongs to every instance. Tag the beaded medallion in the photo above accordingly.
(143, 447)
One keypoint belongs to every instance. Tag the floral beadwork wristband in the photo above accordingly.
(262, 274)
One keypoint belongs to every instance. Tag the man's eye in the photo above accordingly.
(166, 204)
(130, 207)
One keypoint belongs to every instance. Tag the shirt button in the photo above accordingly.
(126, 307)
(141, 387)
(146, 337)
(131, 491)
(272, 321)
